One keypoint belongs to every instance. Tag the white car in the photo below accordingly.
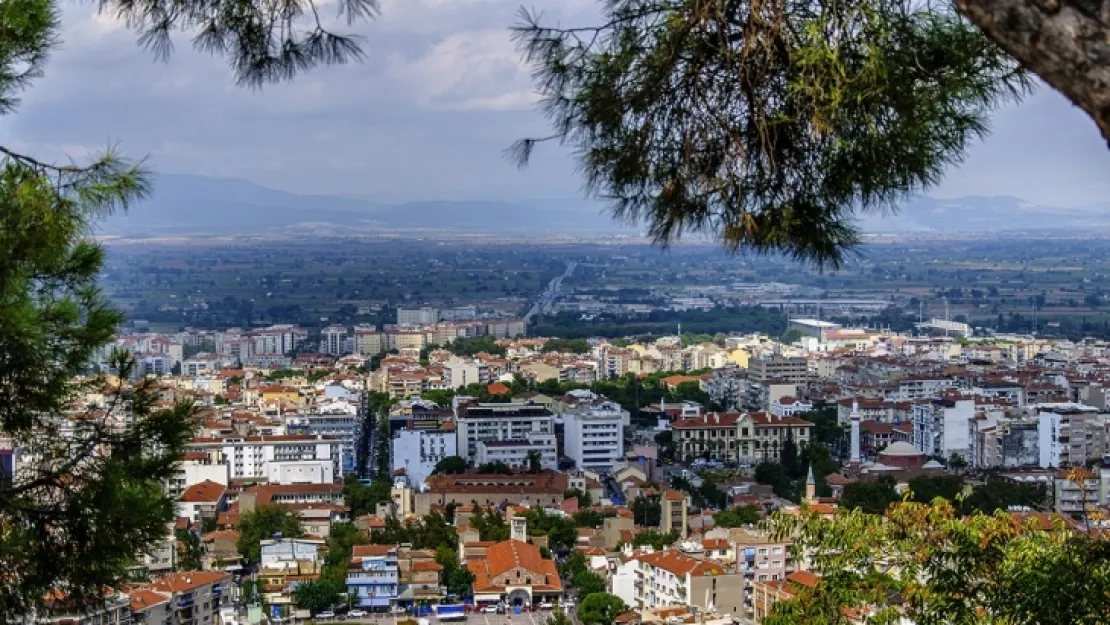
(397, 610)
(326, 615)
(357, 614)
(490, 609)
(546, 605)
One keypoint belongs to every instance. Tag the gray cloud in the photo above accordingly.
(442, 93)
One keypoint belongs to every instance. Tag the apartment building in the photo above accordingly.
(338, 420)
(247, 456)
(1068, 435)
(58, 610)
(760, 558)
(368, 341)
(651, 579)
(713, 435)
(923, 387)
(417, 316)
(793, 369)
(417, 451)
(515, 453)
(277, 339)
(333, 340)
(594, 439)
(675, 512)
(941, 426)
(459, 372)
(495, 423)
(195, 596)
(760, 436)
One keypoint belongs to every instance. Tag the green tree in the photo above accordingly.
(588, 583)
(457, 578)
(870, 496)
(691, 391)
(1000, 494)
(95, 494)
(495, 468)
(317, 595)
(600, 608)
(491, 526)
(791, 336)
(574, 564)
(567, 346)
(926, 488)
(773, 474)
(647, 511)
(261, 524)
(924, 563)
(584, 498)
(656, 540)
(363, 499)
(342, 538)
(817, 111)
(957, 463)
(441, 397)
(451, 465)
(738, 516)
(558, 617)
(189, 551)
(535, 461)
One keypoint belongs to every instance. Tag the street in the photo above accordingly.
(527, 618)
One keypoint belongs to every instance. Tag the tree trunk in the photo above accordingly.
(1065, 42)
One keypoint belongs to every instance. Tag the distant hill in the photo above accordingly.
(186, 204)
(976, 213)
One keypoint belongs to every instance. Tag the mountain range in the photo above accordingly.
(200, 205)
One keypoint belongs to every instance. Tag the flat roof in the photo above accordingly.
(816, 323)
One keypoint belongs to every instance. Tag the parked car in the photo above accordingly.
(546, 605)
(357, 614)
(490, 609)
(326, 614)
(397, 610)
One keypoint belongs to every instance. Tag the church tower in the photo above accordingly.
(811, 486)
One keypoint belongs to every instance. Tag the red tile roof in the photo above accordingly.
(204, 492)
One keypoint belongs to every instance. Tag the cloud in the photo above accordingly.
(427, 116)
(477, 70)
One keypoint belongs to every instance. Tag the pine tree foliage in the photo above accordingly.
(766, 124)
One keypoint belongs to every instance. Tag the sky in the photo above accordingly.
(427, 116)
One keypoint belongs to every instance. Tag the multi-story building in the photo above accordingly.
(516, 453)
(277, 339)
(477, 422)
(195, 596)
(459, 372)
(594, 440)
(760, 436)
(1068, 435)
(712, 435)
(760, 557)
(333, 340)
(247, 456)
(57, 609)
(368, 341)
(670, 578)
(923, 387)
(417, 451)
(941, 426)
(674, 510)
(1076, 498)
(794, 369)
(373, 577)
(545, 489)
(417, 316)
(335, 420)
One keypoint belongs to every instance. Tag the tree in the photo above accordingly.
(558, 617)
(491, 526)
(1001, 494)
(957, 463)
(458, 579)
(585, 500)
(737, 517)
(656, 540)
(926, 488)
(451, 465)
(924, 563)
(647, 512)
(588, 583)
(95, 495)
(773, 474)
(788, 457)
(363, 499)
(94, 492)
(535, 461)
(767, 133)
(189, 550)
(316, 595)
(495, 468)
(261, 524)
(871, 496)
(600, 607)
(791, 336)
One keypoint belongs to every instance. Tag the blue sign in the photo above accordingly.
(275, 611)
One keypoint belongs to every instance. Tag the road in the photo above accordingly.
(547, 299)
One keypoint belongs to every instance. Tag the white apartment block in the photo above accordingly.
(300, 472)
(418, 452)
(941, 427)
(248, 456)
(514, 453)
(595, 441)
(1065, 436)
(923, 387)
(458, 372)
(333, 340)
(417, 316)
(477, 423)
(277, 339)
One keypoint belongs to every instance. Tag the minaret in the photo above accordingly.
(811, 486)
(855, 431)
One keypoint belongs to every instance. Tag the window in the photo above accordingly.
(776, 550)
(763, 551)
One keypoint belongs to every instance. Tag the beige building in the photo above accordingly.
(368, 341)
(648, 580)
(675, 513)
